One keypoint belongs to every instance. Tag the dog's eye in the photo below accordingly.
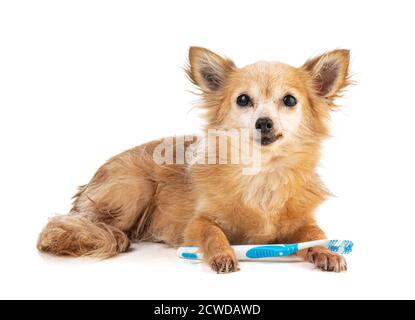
(243, 100)
(289, 101)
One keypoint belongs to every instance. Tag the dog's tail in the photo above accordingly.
(75, 235)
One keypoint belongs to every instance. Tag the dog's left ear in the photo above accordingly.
(329, 72)
(208, 70)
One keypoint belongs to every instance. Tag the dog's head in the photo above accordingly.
(287, 105)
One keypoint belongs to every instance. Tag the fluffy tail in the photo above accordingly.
(77, 236)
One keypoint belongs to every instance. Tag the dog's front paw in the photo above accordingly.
(326, 260)
(224, 263)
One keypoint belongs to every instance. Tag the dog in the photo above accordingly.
(135, 197)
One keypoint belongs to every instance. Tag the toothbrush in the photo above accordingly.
(271, 251)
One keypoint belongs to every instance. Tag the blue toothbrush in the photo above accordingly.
(272, 251)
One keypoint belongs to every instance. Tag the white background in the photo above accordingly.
(83, 80)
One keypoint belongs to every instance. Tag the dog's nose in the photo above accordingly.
(264, 124)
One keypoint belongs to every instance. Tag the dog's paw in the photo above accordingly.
(326, 260)
(224, 263)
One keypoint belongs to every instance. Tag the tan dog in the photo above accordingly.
(212, 205)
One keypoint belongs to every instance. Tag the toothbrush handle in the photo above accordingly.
(189, 253)
(269, 252)
(247, 252)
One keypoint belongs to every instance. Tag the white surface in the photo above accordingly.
(83, 80)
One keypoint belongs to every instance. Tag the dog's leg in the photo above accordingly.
(213, 243)
(104, 211)
(321, 257)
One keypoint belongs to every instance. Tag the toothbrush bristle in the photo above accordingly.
(341, 246)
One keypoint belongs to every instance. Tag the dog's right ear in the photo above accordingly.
(208, 70)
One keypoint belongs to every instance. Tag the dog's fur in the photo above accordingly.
(214, 205)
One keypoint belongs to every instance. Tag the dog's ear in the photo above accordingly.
(208, 70)
(330, 72)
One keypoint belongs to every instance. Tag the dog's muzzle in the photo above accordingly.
(266, 128)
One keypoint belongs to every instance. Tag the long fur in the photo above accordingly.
(132, 198)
